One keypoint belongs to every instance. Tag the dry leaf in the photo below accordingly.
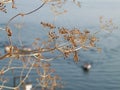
(76, 57)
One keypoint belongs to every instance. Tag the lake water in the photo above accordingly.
(105, 71)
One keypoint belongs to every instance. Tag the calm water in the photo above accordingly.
(105, 71)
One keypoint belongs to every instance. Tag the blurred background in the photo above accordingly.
(105, 71)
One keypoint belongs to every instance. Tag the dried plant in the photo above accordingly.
(3, 4)
(67, 42)
(2, 7)
(107, 25)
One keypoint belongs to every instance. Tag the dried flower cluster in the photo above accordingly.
(107, 25)
(49, 25)
(3, 5)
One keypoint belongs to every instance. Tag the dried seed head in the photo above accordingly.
(87, 32)
(75, 31)
(9, 32)
(63, 30)
(49, 25)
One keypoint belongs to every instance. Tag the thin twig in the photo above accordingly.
(22, 14)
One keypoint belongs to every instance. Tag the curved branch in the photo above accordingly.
(21, 14)
(48, 59)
